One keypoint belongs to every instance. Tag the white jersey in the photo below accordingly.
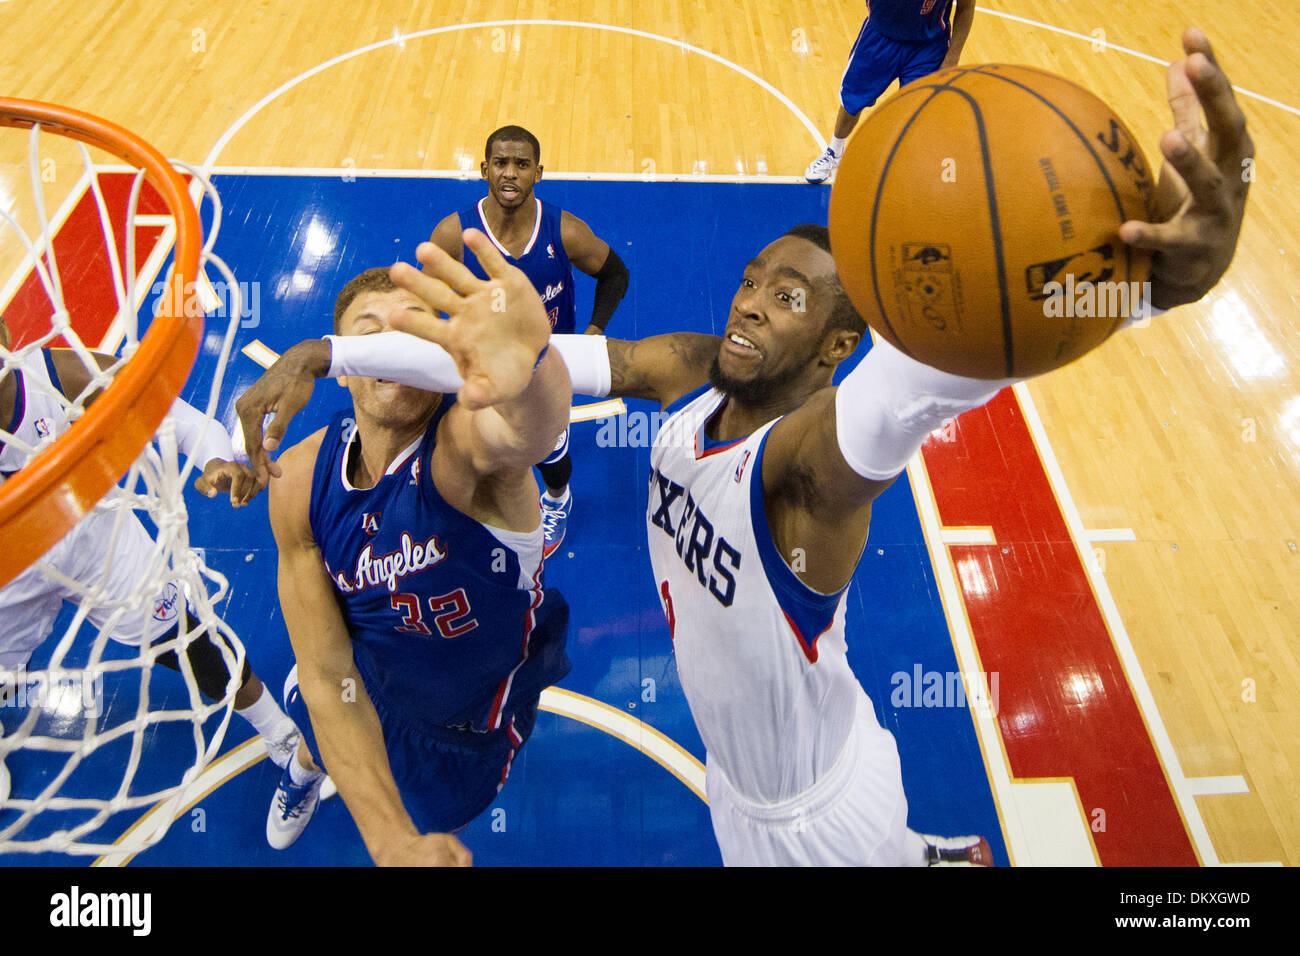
(97, 549)
(761, 656)
(38, 415)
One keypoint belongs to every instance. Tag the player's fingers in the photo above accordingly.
(455, 274)
(1223, 115)
(274, 434)
(489, 257)
(1203, 179)
(1183, 102)
(1157, 236)
(433, 291)
(424, 325)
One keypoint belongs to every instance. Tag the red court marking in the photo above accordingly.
(81, 252)
(1065, 706)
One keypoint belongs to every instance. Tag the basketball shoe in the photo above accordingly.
(281, 742)
(291, 810)
(821, 168)
(555, 520)
(957, 851)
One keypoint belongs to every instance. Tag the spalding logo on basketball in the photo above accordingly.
(975, 221)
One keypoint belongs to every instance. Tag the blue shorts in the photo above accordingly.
(446, 780)
(876, 61)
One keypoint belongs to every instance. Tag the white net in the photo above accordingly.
(93, 730)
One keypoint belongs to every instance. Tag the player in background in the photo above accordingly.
(902, 40)
(410, 565)
(30, 603)
(763, 456)
(544, 241)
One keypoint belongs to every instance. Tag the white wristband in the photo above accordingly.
(411, 360)
(196, 441)
(886, 407)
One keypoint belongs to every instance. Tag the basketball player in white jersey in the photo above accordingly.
(31, 412)
(763, 458)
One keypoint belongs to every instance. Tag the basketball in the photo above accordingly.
(975, 221)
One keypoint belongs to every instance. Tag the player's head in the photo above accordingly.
(793, 320)
(366, 305)
(512, 165)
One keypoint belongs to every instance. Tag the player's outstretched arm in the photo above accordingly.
(961, 21)
(516, 394)
(661, 368)
(347, 727)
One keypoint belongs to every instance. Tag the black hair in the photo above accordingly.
(513, 134)
(843, 314)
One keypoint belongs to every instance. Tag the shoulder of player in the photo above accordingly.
(446, 235)
(577, 236)
(289, 496)
(72, 372)
(800, 449)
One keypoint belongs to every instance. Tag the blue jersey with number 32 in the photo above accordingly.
(450, 625)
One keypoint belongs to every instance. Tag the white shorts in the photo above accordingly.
(856, 815)
(30, 603)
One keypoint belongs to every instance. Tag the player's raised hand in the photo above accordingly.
(282, 391)
(1201, 193)
(426, 849)
(221, 477)
(495, 329)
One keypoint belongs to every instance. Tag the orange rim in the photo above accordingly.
(43, 501)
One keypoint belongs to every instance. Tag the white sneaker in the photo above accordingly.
(327, 789)
(821, 168)
(291, 810)
(282, 742)
(957, 851)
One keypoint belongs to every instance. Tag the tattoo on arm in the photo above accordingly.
(661, 368)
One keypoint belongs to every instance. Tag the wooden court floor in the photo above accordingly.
(1176, 450)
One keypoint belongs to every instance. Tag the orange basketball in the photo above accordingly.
(975, 221)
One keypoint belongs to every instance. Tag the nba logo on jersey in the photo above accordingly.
(740, 469)
(43, 428)
(370, 522)
(550, 250)
(165, 609)
(415, 474)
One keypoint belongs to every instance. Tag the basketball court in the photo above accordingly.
(1078, 613)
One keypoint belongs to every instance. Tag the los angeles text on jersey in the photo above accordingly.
(673, 510)
(387, 569)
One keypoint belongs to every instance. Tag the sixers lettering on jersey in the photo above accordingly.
(702, 551)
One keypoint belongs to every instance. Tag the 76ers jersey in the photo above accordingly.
(543, 260)
(761, 656)
(450, 626)
(37, 414)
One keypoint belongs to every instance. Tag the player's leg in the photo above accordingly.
(920, 61)
(557, 500)
(874, 64)
(164, 616)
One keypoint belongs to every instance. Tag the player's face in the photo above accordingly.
(511, 172)
(778, 319)
(387, 403)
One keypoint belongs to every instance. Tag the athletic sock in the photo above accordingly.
(264, 714)
(561, 499)
(299, 774)
(838, 144)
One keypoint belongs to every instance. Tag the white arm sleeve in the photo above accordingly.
(889, 403)
(411, 360)
(197, 442)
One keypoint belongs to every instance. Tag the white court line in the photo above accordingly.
(1131, 52)
(1178, 782)
(399, 40)
(1110, 534)
(967, 536)
(1201, 786)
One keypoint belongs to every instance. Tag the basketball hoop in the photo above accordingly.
(40, 504)
(85, 479)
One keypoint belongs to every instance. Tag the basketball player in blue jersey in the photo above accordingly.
(763, 458)
(544, 241)
(410, 564)
(902, 40)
